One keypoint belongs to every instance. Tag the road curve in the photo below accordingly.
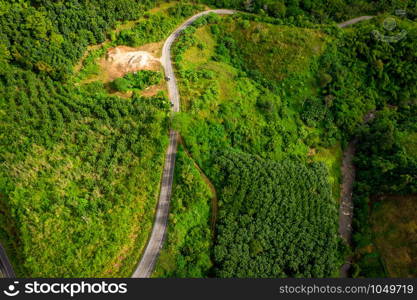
(354, 21)
(156, 240)
(6, 269)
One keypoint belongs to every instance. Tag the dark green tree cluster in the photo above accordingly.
(48, 37)
(360, 72)
(276, 219)
(317, 10)
(136, 80)
(156, 27)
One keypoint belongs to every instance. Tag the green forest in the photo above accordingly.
(276, 108)
(270, 98)
(277, 219)
(79, 166)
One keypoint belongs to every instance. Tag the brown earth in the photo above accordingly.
(122, 60)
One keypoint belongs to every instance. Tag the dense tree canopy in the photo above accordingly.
(276, 219)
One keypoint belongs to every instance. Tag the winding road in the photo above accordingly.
(156, 240)
(354, 21)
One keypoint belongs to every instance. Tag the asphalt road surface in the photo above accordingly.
(6, 270)
(156, 241)
(354, 21)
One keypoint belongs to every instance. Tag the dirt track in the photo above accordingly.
(155, 243)
(346, 203)
(156, 240)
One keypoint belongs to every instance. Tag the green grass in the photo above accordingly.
(202, 52)
(225, 107)
(394, 225)
(332, 158)
(186, 252)
(276, 51)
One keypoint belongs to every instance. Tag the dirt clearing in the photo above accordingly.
(122, 60)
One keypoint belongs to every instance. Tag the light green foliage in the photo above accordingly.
(136, 80)
(78, 167)
(155, 27)
(227, 105)
(188, 245)
(78, 177)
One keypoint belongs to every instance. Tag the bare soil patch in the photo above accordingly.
(122, 60)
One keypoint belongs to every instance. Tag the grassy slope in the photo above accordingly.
(218, 100)
(121, 228)
(394, 225)
(220, 97)
(186, 252)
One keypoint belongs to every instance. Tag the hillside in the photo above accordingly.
(283, 92)
(80, 164)
(394, 226)
(272, 99)
(275, 219)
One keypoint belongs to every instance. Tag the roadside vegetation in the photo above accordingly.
(187, 250)
(79, 166)
(269, 100)
(153, 26)
(239, 92)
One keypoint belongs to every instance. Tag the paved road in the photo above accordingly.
(155, 243)
(354, 21)
(6, 270)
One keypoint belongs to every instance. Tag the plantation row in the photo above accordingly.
(276, 219)
(79, 167)
(297, 93)
(78, 173)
